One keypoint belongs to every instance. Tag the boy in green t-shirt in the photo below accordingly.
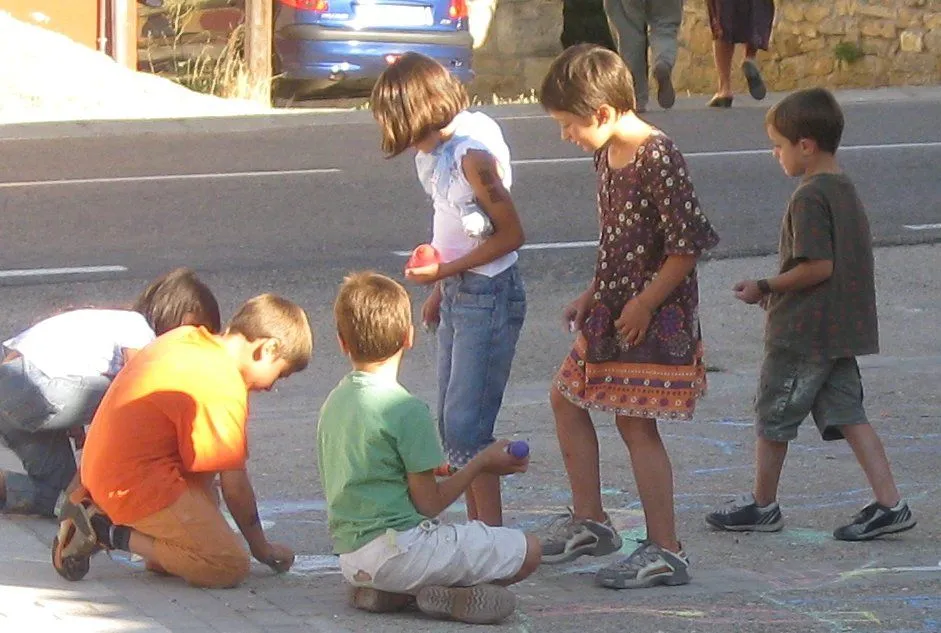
(377, 450)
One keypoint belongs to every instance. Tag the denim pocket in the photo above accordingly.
(22, 403)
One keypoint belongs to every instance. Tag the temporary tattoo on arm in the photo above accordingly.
(495, 191)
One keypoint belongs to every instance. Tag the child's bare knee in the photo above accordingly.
(533, 557)
(558, 401)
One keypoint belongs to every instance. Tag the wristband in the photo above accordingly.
(764, 286)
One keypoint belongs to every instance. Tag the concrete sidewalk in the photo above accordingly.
(798, 580)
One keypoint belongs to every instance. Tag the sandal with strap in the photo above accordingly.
(76, 541)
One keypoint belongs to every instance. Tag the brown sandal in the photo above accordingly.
(76, 542)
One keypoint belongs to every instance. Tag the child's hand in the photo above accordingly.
(424, 274)
(573, 315)
(748, 291)
(431, 309)
(77, 433)
(633, 323)
(497, 461)
(276, 556)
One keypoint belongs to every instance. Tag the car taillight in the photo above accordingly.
(458, 9)
(317, 6)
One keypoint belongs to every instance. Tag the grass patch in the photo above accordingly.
(848, 52)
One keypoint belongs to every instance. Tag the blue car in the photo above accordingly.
(329, 46)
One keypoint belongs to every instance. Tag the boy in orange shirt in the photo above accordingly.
(174, 418)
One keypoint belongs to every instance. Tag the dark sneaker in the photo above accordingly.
(376, 601)
(480, 604)
(566, 538)
(876, 520)
(756, 85)
(666, 94)
(744, 515)
(648, 565)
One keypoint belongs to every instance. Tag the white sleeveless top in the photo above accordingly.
(82, 343)
(459, 224)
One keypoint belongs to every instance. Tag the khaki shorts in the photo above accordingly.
(449, 555)
(192, 540)
(792, 387)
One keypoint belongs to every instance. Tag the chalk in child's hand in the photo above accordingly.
(572, 326)
(518, 449)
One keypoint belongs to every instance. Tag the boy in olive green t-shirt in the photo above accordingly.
(377, 449)
(821, 316)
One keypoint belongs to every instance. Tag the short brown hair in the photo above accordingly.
(413, 97)
(586, 77)
(271, 316)
(373, 314)
(812, 114)
(169, 299)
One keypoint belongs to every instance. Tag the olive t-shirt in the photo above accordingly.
(825, 219)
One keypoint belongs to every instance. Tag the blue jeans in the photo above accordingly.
(481, 319)
(35, 414)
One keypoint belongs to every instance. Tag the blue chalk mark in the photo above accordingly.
(706, 471)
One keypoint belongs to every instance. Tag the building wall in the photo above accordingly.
(835, 43)
(76, 19)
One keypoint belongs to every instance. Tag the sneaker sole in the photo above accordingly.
(72, 568)
(584, 550)
(376, 601)
(480, 604)
(614, 582)
(884, 531)
(769, 527)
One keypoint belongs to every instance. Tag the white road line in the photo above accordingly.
(46, 272)
(162, 177)
(922, 227)
(736, 152)
(535, 246)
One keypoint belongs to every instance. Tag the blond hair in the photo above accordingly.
(586, 77)
(373, 315)
(271, 316)
(412, 98)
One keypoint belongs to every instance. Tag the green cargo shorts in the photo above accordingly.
(792, 386)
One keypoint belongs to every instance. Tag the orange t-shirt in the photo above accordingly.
(179, 407)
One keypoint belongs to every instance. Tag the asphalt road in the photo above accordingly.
(311, 190)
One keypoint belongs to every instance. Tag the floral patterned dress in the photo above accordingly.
(647, 211)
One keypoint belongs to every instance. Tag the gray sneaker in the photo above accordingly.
(648, 565)
(566, 538)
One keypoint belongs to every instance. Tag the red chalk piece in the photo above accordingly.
(423, 255)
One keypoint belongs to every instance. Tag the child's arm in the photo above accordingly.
(805, 275)
(240, 500)
(432, 496)
(480, 169)
(637, 313)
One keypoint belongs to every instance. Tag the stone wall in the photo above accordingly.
(834, 43)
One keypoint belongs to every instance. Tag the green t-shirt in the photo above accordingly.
(371, 434)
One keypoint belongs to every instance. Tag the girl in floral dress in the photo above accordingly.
(638, 352)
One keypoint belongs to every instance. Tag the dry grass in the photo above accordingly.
(223, 73)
